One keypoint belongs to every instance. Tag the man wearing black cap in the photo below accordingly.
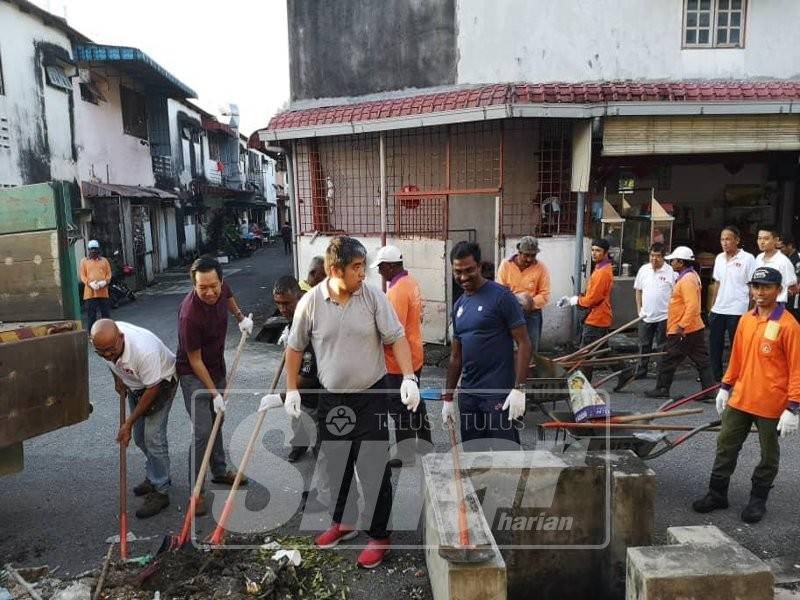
(597, 298)
(761, 387)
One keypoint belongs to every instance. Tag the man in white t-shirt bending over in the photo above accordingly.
(653, 288)
(733, 269)
(770, 256)
(144, 371)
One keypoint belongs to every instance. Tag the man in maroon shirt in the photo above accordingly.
(200, 362)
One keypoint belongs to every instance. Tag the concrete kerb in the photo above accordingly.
(701, 562)
(607, 499)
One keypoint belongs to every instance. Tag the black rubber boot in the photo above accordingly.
(659, 392)
(715, 498)
(757, 507)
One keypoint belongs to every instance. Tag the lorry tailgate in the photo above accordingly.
(43, 384)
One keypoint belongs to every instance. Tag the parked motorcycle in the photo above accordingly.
(118, 290)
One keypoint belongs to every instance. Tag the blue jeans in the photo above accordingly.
(484, 425)
(150, 433)
(533, 320)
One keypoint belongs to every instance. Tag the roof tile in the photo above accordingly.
(536, 93)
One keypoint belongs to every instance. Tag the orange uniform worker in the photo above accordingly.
(529, 280)
(597, 298)
(685, 335)
(405, 296)
(95, 273)
(761, 387)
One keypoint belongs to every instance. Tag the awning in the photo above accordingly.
(134, 63)
(214, 125)
(107, 190)
(630, 136)
(559, 100)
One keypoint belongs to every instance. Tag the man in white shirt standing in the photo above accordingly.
(733, 269)
(653, 288)
(771, 256)
(144, 370)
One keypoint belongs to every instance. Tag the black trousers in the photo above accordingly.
(590, 334)
(287, 246)
(719, 325)
(652, 337)
(692, 346)
(407, 425)
(95, 305)
(350, 423)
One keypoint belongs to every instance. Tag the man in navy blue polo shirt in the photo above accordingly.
(487, 320)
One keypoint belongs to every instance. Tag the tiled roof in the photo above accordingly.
(538, 93)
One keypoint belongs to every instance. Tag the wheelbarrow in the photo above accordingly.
(646, 440)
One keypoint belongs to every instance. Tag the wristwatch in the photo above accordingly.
(412, 377)
(520, 386)
(793, 408)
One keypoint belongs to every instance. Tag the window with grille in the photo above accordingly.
(714, 23)
(134, 112)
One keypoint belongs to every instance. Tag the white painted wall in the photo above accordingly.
(424, 259)
(31, 112)
(105, 152)
(593, 40)
(558, 254)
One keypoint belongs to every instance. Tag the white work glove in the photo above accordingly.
(515, 404)
(787, 424)
(448, 411)
(292, 404)
(282, 341)
(567, 300)
(409, 394)
(270, 401)
(219, 404)
(101, 284)
(722, 399)
(94, 286)
(643, 313)
(246, 324)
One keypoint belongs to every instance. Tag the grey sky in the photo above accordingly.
(232, 51)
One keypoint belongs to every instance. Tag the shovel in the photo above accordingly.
(201, 476)
(219, 533)
(123, 486)
(589, 347)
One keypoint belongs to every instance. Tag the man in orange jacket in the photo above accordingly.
(761, 387)
(597, 298)
(404, 293)
(684, 326)
(95, 273)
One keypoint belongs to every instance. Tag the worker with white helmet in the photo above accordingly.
(95, 273)
(684, 326)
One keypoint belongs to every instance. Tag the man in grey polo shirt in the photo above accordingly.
(348, 322)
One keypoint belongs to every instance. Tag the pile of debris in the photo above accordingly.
(267, 569)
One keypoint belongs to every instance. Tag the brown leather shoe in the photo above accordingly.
(227, 479)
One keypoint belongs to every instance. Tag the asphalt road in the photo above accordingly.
(63, 506)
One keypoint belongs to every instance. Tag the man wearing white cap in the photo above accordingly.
(404, 294)
(95, 273)
(684, 326)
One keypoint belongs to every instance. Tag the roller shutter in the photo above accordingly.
(700, 134)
